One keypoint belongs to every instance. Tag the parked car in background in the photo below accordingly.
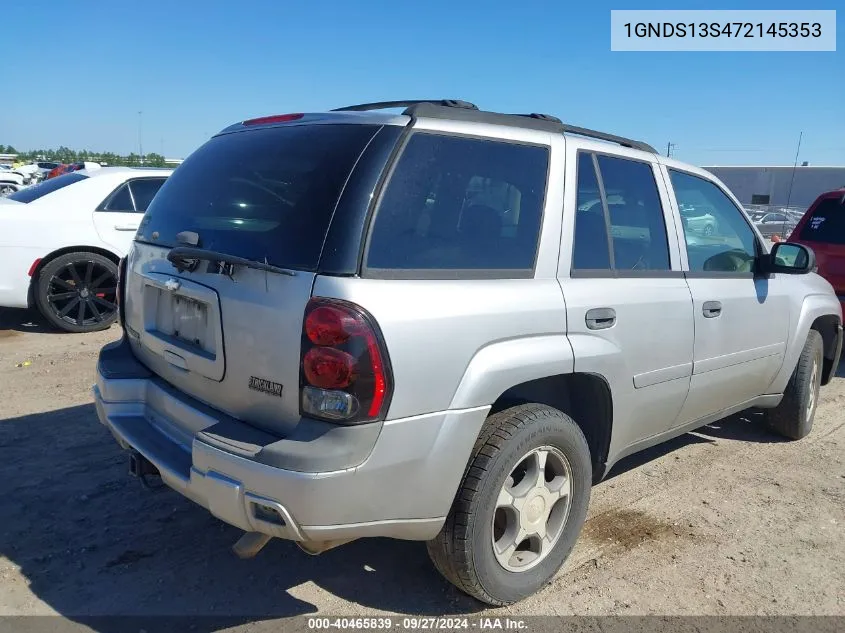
(46, 167)
(698, 219)
(775, 223)
(61, 240)
(11, 181)
(823, 229)
(57, 171)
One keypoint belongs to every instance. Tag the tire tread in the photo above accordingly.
(450, 550)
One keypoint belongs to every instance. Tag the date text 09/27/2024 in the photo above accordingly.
(418, 623)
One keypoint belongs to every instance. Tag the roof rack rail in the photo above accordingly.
(604, 136)
(542, 117)
(455, 109)
(383, 105)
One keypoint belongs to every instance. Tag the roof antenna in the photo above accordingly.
(792, 180)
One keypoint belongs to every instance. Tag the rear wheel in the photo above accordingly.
(77, 292)
(520, 507)
(793, 417)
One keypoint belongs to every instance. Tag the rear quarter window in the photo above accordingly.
(826, 223)
(460, 204)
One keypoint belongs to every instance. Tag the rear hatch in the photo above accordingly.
(230, 336)
(823, 230)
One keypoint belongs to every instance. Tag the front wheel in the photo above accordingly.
(77, 292)
(520, 507)
(793, 417)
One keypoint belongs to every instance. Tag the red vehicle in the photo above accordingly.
(823, 229)
(58, 171)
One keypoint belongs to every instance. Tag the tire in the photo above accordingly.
(463, 551)
(793, 417)
(65, 286)
(708, 230)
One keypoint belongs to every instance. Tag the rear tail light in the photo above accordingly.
(121, 287)
(345, 372)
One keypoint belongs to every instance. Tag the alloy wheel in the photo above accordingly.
(83, 293)
(532, 509)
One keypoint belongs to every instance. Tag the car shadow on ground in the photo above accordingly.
(91, 541)
(104, 552)
(14, 321)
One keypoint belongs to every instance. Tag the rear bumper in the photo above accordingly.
(397, 479)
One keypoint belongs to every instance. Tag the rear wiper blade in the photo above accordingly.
(182, 255)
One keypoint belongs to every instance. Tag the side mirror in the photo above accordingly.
(790, 259)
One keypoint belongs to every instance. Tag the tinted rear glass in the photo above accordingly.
(827, 224)
(456, 203)
(43, 188)
(266, 193)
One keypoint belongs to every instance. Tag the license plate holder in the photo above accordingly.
(190, 320)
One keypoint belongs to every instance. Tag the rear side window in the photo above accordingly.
(456, 203)
(144, 190)
(120, 200)
(30, 194)
(263, 193)
(827, 223)
(633, 212)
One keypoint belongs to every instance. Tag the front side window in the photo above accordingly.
(718, 237)
(456, 203)
(632, 211)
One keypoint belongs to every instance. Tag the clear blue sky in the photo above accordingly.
(83, 70)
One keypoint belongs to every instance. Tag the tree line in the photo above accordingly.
(67, 155)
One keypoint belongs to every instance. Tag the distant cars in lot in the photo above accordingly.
(773, 223)
(61, 240)
(10, 181)
(698, 219)
(62, 168)
(822, 228)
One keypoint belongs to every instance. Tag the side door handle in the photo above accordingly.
(711, 309)
(600, 318)
(126, 227)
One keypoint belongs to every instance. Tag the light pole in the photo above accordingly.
(140, 135)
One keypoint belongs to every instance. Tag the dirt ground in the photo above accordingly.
(725, 521)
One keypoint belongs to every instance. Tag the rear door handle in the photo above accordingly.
(711, 309)
(126, 227)
(600, 318)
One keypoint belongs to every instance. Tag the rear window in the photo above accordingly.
(457, 203)
(827, 224)
(260, 194)
(40, 190)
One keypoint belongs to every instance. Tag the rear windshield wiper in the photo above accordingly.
(181, 257)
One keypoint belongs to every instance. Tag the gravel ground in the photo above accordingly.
(725, 521)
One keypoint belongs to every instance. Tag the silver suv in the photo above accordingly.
(444, 325)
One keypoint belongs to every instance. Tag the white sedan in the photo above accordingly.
(61, 241)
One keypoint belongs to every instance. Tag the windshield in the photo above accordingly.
(827, 224)
(266, 193)
(40, 190)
